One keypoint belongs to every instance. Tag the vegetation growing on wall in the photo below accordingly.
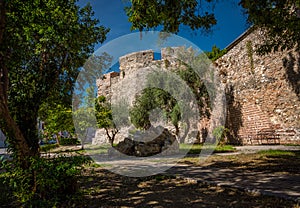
(249, 48)
(152, 98)
(215, 53)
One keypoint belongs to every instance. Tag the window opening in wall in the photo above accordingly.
(157, 56)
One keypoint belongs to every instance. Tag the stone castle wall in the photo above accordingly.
(262, 91)
(129, 64)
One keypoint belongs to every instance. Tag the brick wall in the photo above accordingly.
(262, 91)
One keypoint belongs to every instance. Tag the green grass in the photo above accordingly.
(98, 165)
(277, 153)
(224, 148)
(292, 145)
(196, 148)
(99, 149)
(48, 147)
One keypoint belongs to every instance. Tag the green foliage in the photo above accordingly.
(150, 99)
(215, 53)
(54, 180)
(44, 44)
(6, 196)
(249, 48)
(48, 147)
(220, 134)
(68, 141)
(57, 117)
(110, 117)
(198, 88)
(280, 20)
(147, 14)
(84, 118)
(103, 113)
(153, 98)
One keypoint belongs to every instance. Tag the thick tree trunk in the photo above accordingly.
(27, 123)
(8, 125)
(12, 131)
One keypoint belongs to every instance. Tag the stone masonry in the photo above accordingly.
(129, 64)
(263, 92)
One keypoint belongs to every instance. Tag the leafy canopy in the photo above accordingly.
(153, 98)
(279, 18)
(147, 14)
(44, 44)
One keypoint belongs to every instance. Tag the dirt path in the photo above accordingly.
(277, 177)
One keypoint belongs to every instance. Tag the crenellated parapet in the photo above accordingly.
(137, 61)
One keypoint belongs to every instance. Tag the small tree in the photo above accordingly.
(215, 53)
(83, 117)
(43, 44)
(104, 118)
(57, 118)
(150, 99)
(220, 134)
(185, 85)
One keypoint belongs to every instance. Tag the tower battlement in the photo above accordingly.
(136, 61)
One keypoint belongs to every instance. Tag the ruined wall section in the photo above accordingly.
(104, 84)
(262, 91)
(142, 60)
(134, 61)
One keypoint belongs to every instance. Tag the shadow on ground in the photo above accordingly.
(277, 175)
(106, 189)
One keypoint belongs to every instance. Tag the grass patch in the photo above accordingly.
(277, 153)
(100, 165)
(97, 149)
(292, 145)
(190, 148)
(224, 148)
(48, 147)
(196, 148)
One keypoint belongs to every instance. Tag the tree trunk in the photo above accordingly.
(8, 125)
(111, 138)
(27, 122)
(182, 139)
(14, 134)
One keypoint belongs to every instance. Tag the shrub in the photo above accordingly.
(69, 141)
(220, 134)
(48, 147)
(46, 183)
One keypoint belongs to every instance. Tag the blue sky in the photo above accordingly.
(231, 23)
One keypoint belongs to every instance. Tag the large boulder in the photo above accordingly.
(151, 142)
